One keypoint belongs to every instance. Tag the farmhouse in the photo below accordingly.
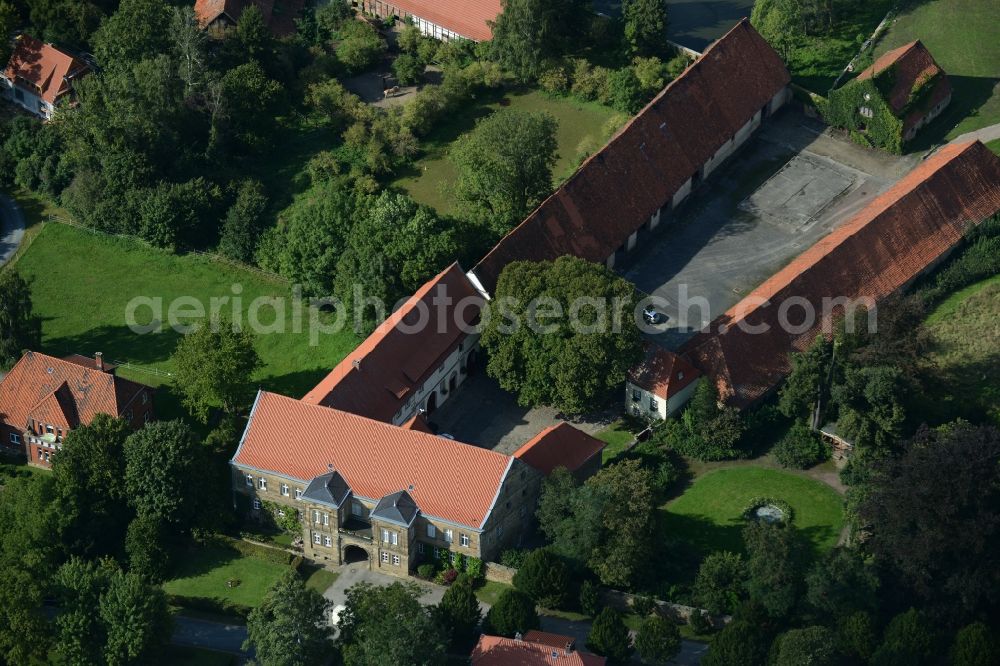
(39, 76)
(217, 17)
(899, 236)
(368, 490)
(889, 101)
(634, 182)
(415, 360)
(42, 399)
(443, 19)
(660, 385)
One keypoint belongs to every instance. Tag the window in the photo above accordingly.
(262, 483)
(147, 417)
(316, 538)
(326, 520)
(394, 538)
(431, 531)
(298, 493)
(145, 398)
(420, 547)
(315, 517)
(284, 489)
(128, 415)
(357, 509)
(385, 557)
(520, 512)
(448, 536)
(256, 504)
(652, 404)
(15, 438)
(41, 454)
(866, 112)
(385, 535)
(636, 396)
(327, 541)
(250, 480)
(395, 560)
(464, 539)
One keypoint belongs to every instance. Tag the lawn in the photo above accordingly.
(206, 571)
(965, 338)
(708, 514)
(82, 282)
(490, 591)
(617, 437)
(962, 37)
(994, 146)
(317, 578)
(582, 129)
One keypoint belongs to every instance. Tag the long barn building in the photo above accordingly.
(651, 165)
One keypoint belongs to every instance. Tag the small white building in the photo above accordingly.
(39, 76)
(660, 385)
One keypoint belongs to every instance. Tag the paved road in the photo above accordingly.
(191, 632)
(986, 134)
(11, 228)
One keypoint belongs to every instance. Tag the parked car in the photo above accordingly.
(653, 316)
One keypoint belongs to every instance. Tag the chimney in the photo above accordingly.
(99, 361)
(569, 648)
(518, 637)
(356, 363)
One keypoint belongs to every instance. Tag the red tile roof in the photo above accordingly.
(880, 251)
(662, 373)
(377, 378)
(500, 651)
(549, 639)
(43, 68)
(560, 445)
(279, 15)
(617, 189)
(468, 18)
(61, 393)
(911, 64)
(450, 480)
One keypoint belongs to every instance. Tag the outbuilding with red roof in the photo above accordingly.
(441, 19)
(660, 385)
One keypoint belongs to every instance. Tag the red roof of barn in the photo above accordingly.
(899, 235)
(546, 638)
(911, 64)
(468, 18)
(617, 189)
(500, 651)
(279, 15)
(450, 480)
(377, 378)
(62, 393)
(662, 373)
(43, 67)
(560, 445)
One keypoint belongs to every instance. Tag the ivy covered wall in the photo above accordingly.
(843, 108)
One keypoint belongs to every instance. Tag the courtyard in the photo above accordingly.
(792, 184)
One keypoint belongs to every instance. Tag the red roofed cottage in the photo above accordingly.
(534, 649)
(660, 385)
(39, 76)
(443, 19)
(43, 399)
(563, 445)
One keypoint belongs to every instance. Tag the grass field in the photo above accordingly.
(617, 437)
(708, 514)
(82, 282)
(318, 578)
(965, 335)
(962, 37)
(581, 125)
(994, 146)
(204, 573)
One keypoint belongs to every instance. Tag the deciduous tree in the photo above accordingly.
(646, 26)
(388, 625)
(20, 330)
(136, 620)
(459, 613)
(812, 645)
(719, 585)
(289, 627)
(544, 577)
(214, 368)
(774, 566)
(658, 640)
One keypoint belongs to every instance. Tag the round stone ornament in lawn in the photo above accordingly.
(768, 510)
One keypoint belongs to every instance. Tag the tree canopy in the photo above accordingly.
(214, 368)
(289, 627)
(388, 625)
(20, 330)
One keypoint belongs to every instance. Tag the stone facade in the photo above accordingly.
(349, 532)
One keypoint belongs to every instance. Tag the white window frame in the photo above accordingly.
(262, 484)
(256, 504)
(284, 490)
(394, 538)
(326, 520)
(315, 517)
(431, 531)
(249, 479)
(449, 536)
(385, 535)
(327, 541)
(395, 560)
(298, 493)
(317, 538)
(385, 557)
(464, 540)
(15, 438)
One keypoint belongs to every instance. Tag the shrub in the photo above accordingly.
(544, 577)
(720, 582)
(408, 69)
(514, 612)
(800, 448)
(426, 571)
(700, 622)
(856, 634)
(609, 637)
(975, 646)
(446, 577)
(458, 561)
(658, 640)
(513, 557)
(474, 568)
(643, 605)
(590, 598)
(625, 91)
(554, 80)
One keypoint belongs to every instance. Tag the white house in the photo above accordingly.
(660, 385)
(39, 76)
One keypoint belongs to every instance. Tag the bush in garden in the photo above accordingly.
(700, 622)
(426, 571)
(800, 448)
(474, 567)
(513, 613)
(643, 605)
(513, 557)
(545, 577)
(590, 598)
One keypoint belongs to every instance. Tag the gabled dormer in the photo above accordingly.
(398, 508)
(330, 489)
